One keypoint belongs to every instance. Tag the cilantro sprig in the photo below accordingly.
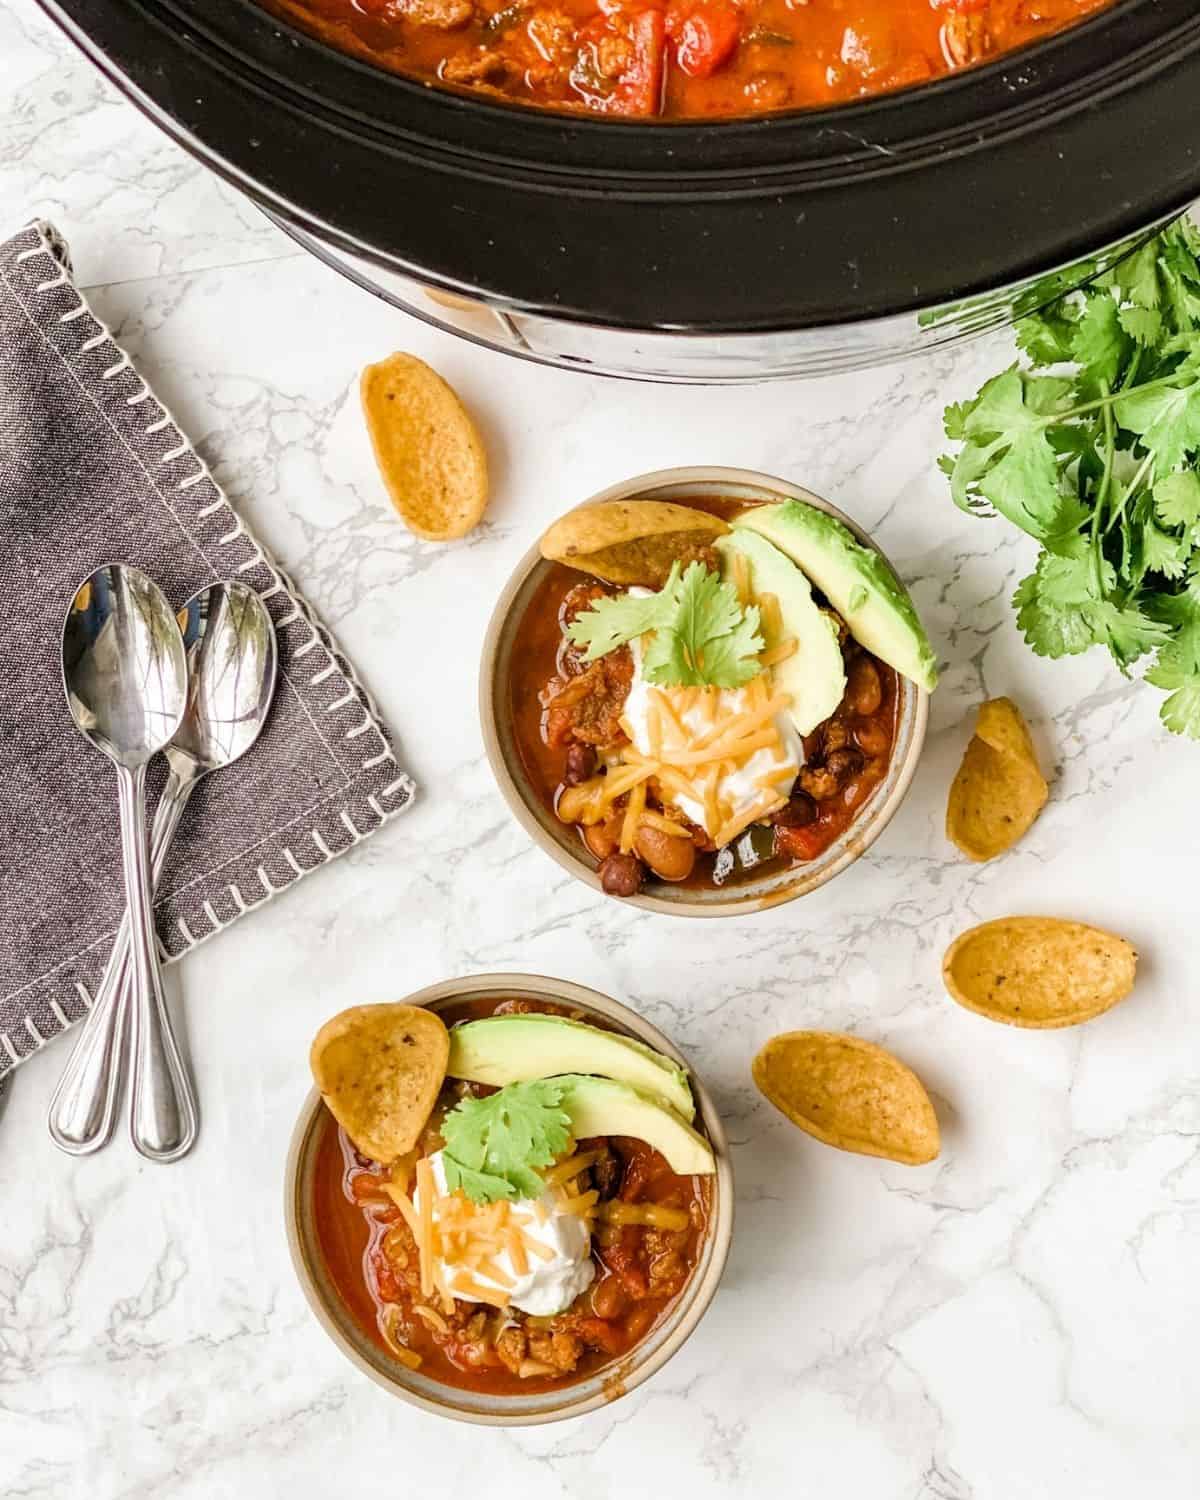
(494, 1145)
(701, 634)
(1092, 447)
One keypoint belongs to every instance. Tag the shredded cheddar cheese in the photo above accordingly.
(469, 1287)
(515, 1242)
(565, 1170)
(434, 1319)
(633, 815)
(780, 653)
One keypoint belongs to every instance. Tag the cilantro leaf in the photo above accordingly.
(480, 1187)
(1046, 332)
(954, 419)
(1160, 552)
(1009, 462)
(494, 1145)
(710, 639)
(701, 634)
(1178, 670)
(1177, 499)
(1166, 418)
(1101, 344)
(620, 618)
(1142, 324)
(1053, 605)
(1126, 631)
(1061, 612)
(1181, 710)
(1092, 445)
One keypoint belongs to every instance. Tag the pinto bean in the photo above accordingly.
(602, 838)
(864, 691)
(621, 874)
(670, 858)
(872, 738)
(608, 1299)
(821, 782)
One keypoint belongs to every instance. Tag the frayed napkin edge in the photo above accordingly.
(401, 789)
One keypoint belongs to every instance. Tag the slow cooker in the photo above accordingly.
(800, 243)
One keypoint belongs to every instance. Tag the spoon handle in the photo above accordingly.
(163, 1121)
(83, 1109)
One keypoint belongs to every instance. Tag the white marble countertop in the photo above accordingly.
(1015, 1321)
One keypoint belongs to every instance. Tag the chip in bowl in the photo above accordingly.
(379, 1069)
(630, 542)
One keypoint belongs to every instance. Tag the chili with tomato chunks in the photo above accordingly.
(371, 1257)
(680, 59)
(567, 715)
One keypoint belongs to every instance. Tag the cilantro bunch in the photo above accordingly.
(702, 634)
(1092, 446)
(494, 1145)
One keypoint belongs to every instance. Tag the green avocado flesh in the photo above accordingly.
(514, 1049)
(856, 581)
(601, 1106)
(814, 676)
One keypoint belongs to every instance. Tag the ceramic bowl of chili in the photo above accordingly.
(337, 1234)
(522, 670)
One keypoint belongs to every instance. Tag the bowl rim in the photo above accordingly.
(629, 1373)
(641, 486)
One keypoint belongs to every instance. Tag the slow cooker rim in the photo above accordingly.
(83, 19)
(1030, 86)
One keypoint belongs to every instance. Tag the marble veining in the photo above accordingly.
(1018, 1319)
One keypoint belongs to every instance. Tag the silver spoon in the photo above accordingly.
(230, 645)
(125, 677)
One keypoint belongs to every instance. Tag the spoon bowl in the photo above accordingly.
(124, 668)
(232, 662)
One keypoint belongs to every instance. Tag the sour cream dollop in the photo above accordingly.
(739, 788)
(549, 1285)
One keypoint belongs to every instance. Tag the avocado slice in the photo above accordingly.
(601, 1106)
(513, 1049)
(814, 677)
(856, 581)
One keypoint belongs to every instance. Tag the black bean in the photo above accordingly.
(581, 763)
(621, 874)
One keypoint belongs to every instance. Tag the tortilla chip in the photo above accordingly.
(629, 541)
(428, 449)
(379, 1069)
(1039, 972)
(850, 1094)
(999, 790)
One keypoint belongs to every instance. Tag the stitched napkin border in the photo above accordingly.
(366, 789)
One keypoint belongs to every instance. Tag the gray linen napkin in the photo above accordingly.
(93, 469)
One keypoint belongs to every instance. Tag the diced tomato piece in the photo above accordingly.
(705, 36)
(801, 843)
(638, 89)
(640, 86)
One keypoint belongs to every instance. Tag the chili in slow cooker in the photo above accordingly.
(680, 59)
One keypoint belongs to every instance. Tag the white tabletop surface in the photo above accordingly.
(1018, 1320)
